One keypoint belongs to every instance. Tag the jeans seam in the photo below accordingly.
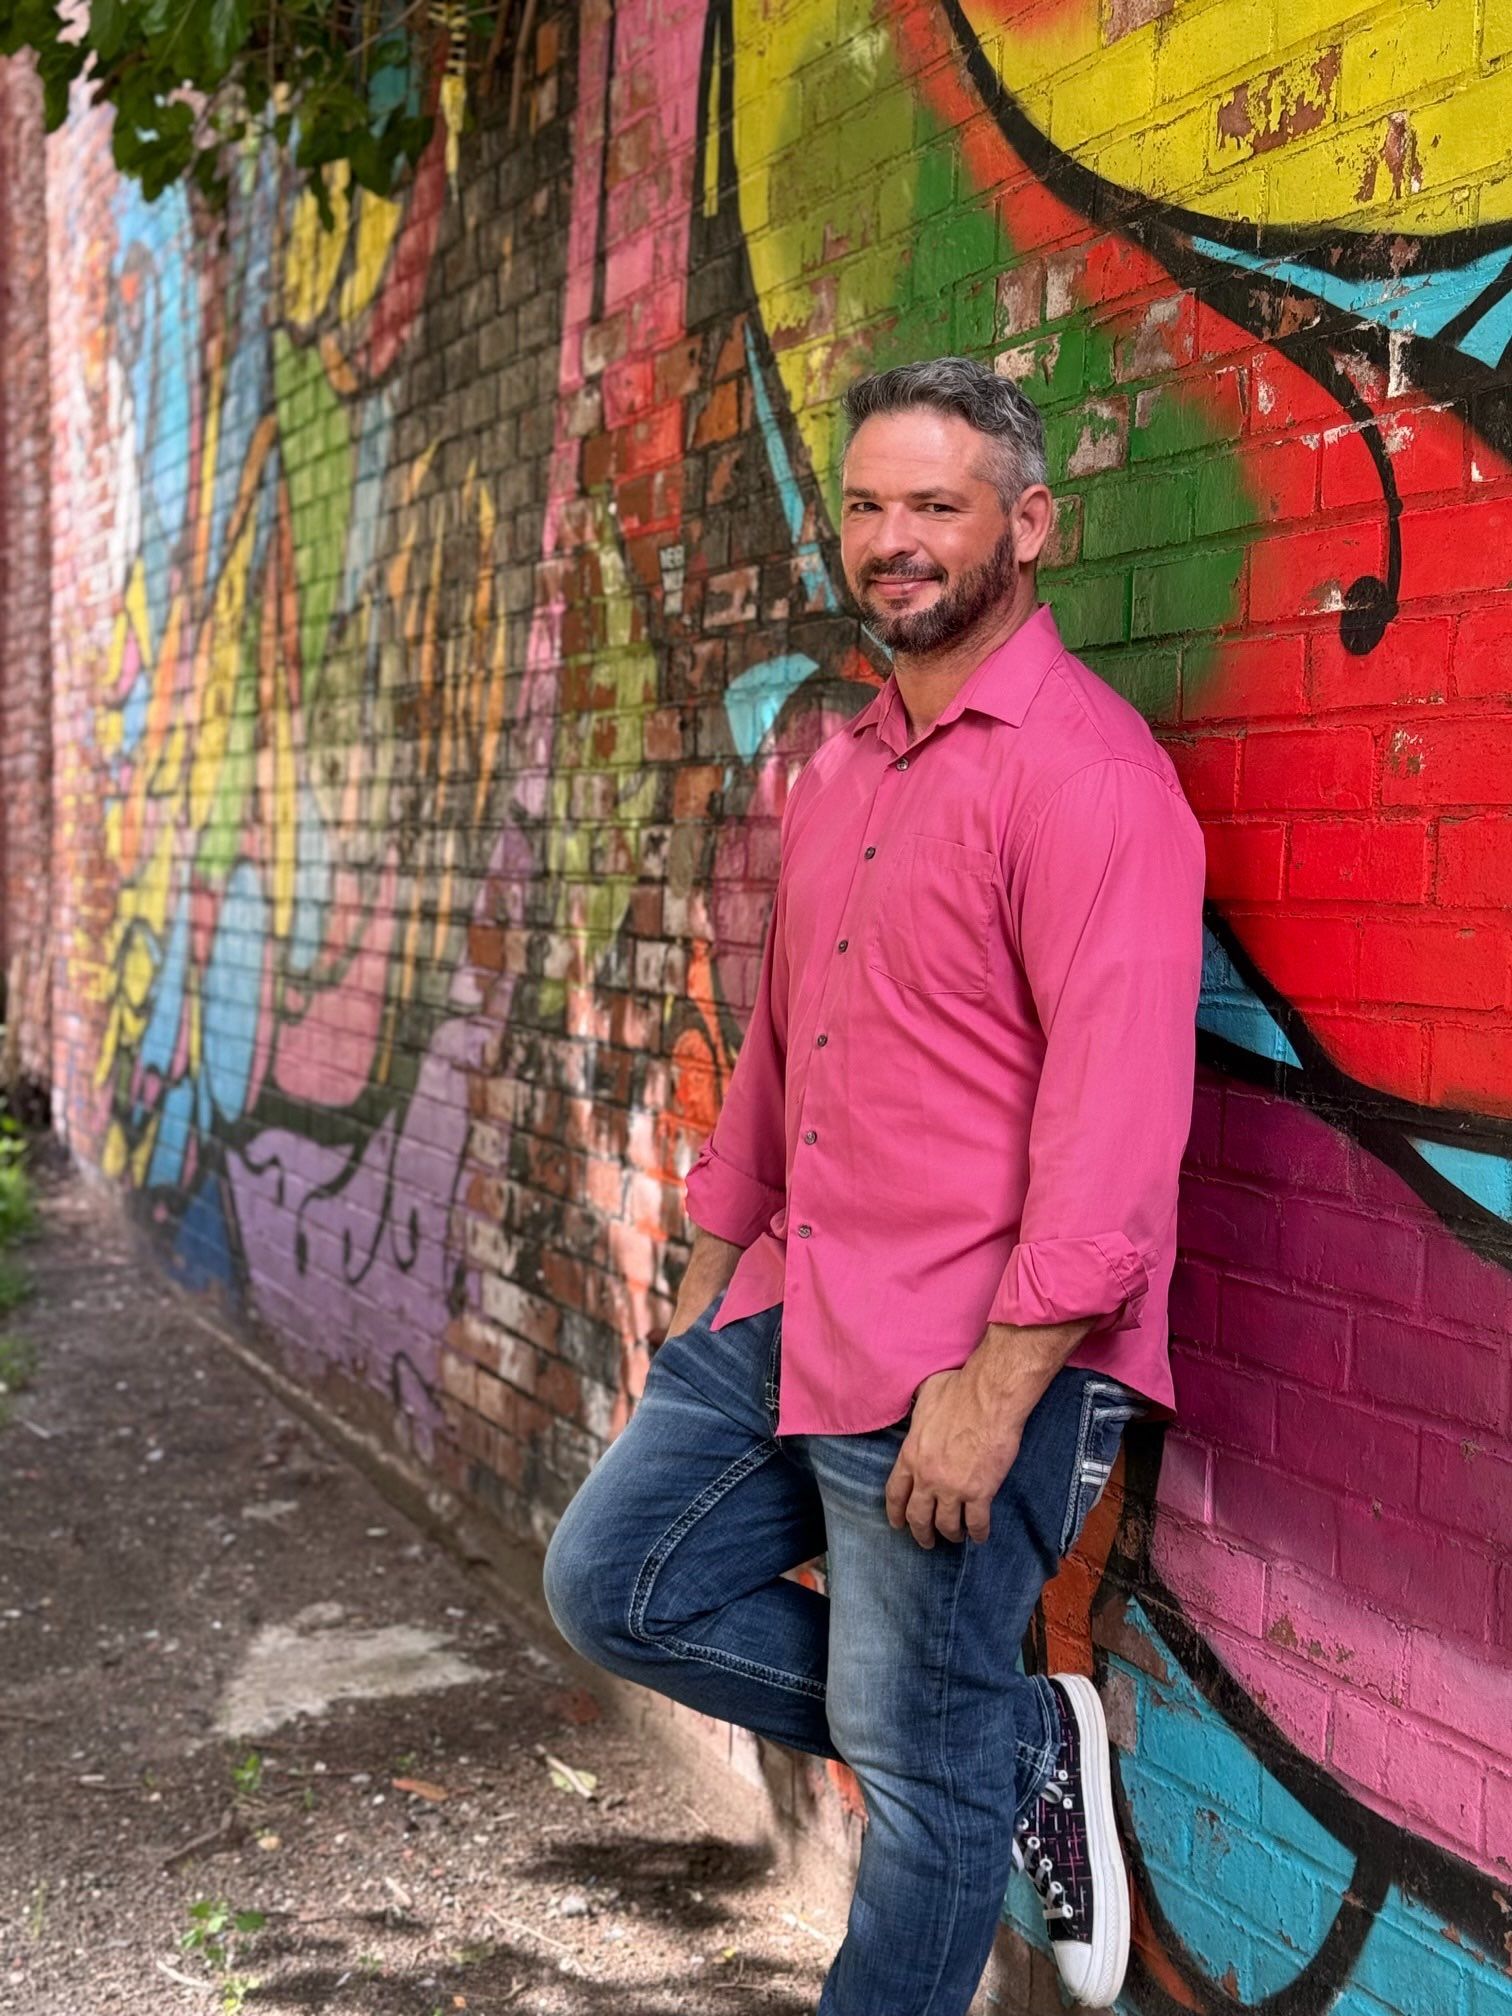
(731, 1662)
(656, 1560)
(1073, 1499)
(948, 1776)
(1041, 1756)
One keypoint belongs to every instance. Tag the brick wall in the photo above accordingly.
(26, 726)
(444, 603)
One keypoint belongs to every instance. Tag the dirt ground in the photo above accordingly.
(171, 1541)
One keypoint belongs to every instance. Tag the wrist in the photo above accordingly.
(1017, 1363)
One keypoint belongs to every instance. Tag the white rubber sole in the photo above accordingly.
(1095, 1973)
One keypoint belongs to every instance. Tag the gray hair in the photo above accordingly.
(1012, 423)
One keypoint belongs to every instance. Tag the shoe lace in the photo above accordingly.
(1039, 1864)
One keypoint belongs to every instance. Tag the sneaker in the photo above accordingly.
(1067, 1845)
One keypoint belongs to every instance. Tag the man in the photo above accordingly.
(936, 1224)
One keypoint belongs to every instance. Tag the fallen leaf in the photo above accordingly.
(575, 1705)
(269, 1841)
(422, 1789)
(566, 1779)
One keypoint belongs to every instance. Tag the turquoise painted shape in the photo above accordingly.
(1483, 1177)
(312, 885)
(1417, 1963)
(134, 714)
(1413, 304)
(1230, 1008)
(202, 1248)
(754, 699)
(160, 1037)
(233, 990)
(815, 575)
(166, 1166)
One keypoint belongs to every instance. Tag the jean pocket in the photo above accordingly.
(774, 1374)
(1107, 1409)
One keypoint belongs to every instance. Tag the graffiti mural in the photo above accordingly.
(1267, 433)
(297, 715)
(461, 598)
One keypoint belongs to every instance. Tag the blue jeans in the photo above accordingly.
(668, 1568)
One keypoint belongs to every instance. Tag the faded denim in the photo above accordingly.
(668, 1569)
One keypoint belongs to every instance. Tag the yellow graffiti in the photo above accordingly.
(818, 103)
(592, 886)
(1285, 112)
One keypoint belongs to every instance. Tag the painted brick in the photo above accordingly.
(1410, 666)
(1473, 862)
(1422, 1572)
(1438, 762)
(1254, 1144)
(1246, 678)
(1223, 1405)
(1358, 1451)
(1219, 1583)
(1467, 1484)
(1270, 1509)
(1305, 575)
(1332, 769)
(1350, 1644)
(1351, 1252)
(1429, 1373)
(1355, 860)
(1276, 1327)
(584, 517)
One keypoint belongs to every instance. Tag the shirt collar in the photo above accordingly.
(1002, 685)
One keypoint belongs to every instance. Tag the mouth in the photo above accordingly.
(900, 587)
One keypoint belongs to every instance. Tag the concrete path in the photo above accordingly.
(232, 1676)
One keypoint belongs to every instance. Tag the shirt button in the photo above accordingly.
(805, 1231)
(843, 943)
(821, 1041)
(902, 763)
(811, 1137)
(869, 852)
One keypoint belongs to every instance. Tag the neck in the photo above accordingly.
(928, 681)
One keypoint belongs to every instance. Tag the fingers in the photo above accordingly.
(926, 1513)
(921, 1516)
(899, 1490)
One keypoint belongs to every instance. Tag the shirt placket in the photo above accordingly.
(805, 1213)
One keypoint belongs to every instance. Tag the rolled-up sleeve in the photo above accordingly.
(738, 1180)
(1106, 898)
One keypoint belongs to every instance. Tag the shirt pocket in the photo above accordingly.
(1108, 1406)
(933, 926)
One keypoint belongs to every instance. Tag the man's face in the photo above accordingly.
(927, 547)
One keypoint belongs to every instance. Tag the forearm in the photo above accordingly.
(710, 1266)
(1014, 1364)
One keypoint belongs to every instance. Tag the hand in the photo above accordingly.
(967, 1426)
(953, 1461)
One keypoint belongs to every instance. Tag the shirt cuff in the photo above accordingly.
(1068, 1280)
(725, 1201)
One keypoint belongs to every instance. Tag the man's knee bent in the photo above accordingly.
(587, 1595)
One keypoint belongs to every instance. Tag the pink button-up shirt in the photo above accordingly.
(967, 1080)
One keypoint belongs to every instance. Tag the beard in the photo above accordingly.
(954, 614)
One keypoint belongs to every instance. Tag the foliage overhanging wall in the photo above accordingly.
(444, 602)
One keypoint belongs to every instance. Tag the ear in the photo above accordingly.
(1032, 516)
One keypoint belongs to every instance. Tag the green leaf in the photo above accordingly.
(108, 22)
(230, 24)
